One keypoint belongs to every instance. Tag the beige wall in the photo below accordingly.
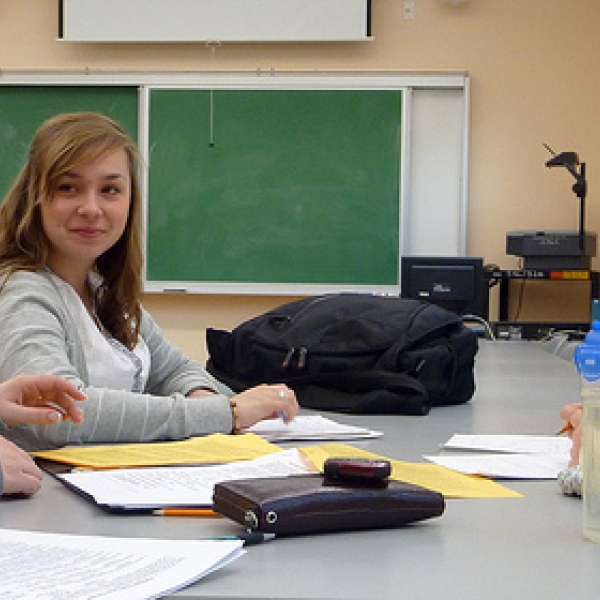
(533, 67)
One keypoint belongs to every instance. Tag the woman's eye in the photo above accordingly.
(111, 190)
(65, 188)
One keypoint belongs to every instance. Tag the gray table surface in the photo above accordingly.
(530, 547)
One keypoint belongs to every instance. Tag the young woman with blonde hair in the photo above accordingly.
(70, 299)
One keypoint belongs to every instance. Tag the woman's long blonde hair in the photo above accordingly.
(61, 144)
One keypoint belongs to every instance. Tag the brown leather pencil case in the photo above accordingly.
(306, 504)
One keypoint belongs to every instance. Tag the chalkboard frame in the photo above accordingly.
(277, 187)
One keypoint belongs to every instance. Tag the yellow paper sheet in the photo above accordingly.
(215, 448)
(449, 483)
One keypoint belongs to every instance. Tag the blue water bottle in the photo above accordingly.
(587, 359)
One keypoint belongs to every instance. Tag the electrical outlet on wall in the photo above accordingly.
(408, 10)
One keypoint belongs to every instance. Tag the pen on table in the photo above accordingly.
(250, 538)
(566, 427)
(185, 512)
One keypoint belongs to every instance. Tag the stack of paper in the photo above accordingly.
(309, 427)
(107, 568)
(507, 456)
(210, 449)
(149, 488)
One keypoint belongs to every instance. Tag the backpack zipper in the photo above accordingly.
(288, 357)
(302, 354)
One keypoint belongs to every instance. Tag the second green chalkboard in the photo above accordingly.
(274, 186)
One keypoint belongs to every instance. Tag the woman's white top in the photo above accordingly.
(110, 364)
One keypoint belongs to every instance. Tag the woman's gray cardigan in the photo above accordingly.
(39, 335)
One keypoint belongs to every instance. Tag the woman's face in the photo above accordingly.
(88, 212)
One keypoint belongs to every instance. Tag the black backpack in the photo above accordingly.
(354, 353)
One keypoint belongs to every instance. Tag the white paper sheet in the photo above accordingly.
(522, 444)
(47, 566)
(150, 488)
(309, 427)
(504, 466)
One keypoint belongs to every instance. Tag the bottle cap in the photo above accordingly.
(587, 354)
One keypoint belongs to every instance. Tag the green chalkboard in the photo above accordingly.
(24, 108)
(274, 186)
